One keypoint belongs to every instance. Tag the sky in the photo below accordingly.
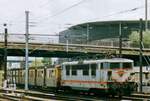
(52, 16)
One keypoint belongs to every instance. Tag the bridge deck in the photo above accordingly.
(18, 49)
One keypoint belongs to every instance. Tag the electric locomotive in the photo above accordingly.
(109, 76)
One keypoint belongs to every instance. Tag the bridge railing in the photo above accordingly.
(54, 39)
(111, 43)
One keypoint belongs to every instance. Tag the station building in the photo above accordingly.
(96, 32)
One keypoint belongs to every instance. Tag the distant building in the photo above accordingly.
(93, 32)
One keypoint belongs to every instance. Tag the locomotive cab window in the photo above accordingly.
(114, 65)
(127, 65)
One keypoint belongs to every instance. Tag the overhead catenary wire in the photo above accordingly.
(116, 13)
(50, 16)
(119, 12)
(63, 10)
(74, 5)
(66, 9)
(46, 3)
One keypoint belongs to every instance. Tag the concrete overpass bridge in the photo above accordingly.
(48, 46)
(63, 50)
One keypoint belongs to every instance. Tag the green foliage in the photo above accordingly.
(41, 62)
(134, 38)
(146, 40)
(36, 63)
(47, 61)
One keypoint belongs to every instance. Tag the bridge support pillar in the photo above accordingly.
(1, 71)
(1, 63)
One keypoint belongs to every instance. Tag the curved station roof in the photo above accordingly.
(100, 30)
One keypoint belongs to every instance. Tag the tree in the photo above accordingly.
(134, 38)
(47, 61)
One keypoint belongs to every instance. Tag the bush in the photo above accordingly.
(134, 38)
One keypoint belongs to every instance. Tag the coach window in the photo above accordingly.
(85, 69)
(93, 69)
(74, 70)
(67, 70)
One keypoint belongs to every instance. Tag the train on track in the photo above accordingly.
(103, 76)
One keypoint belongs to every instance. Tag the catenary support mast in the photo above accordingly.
(26, 49)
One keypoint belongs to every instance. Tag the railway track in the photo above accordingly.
(140, 97)
(11, 97)
(40, 96)
(14, 97)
